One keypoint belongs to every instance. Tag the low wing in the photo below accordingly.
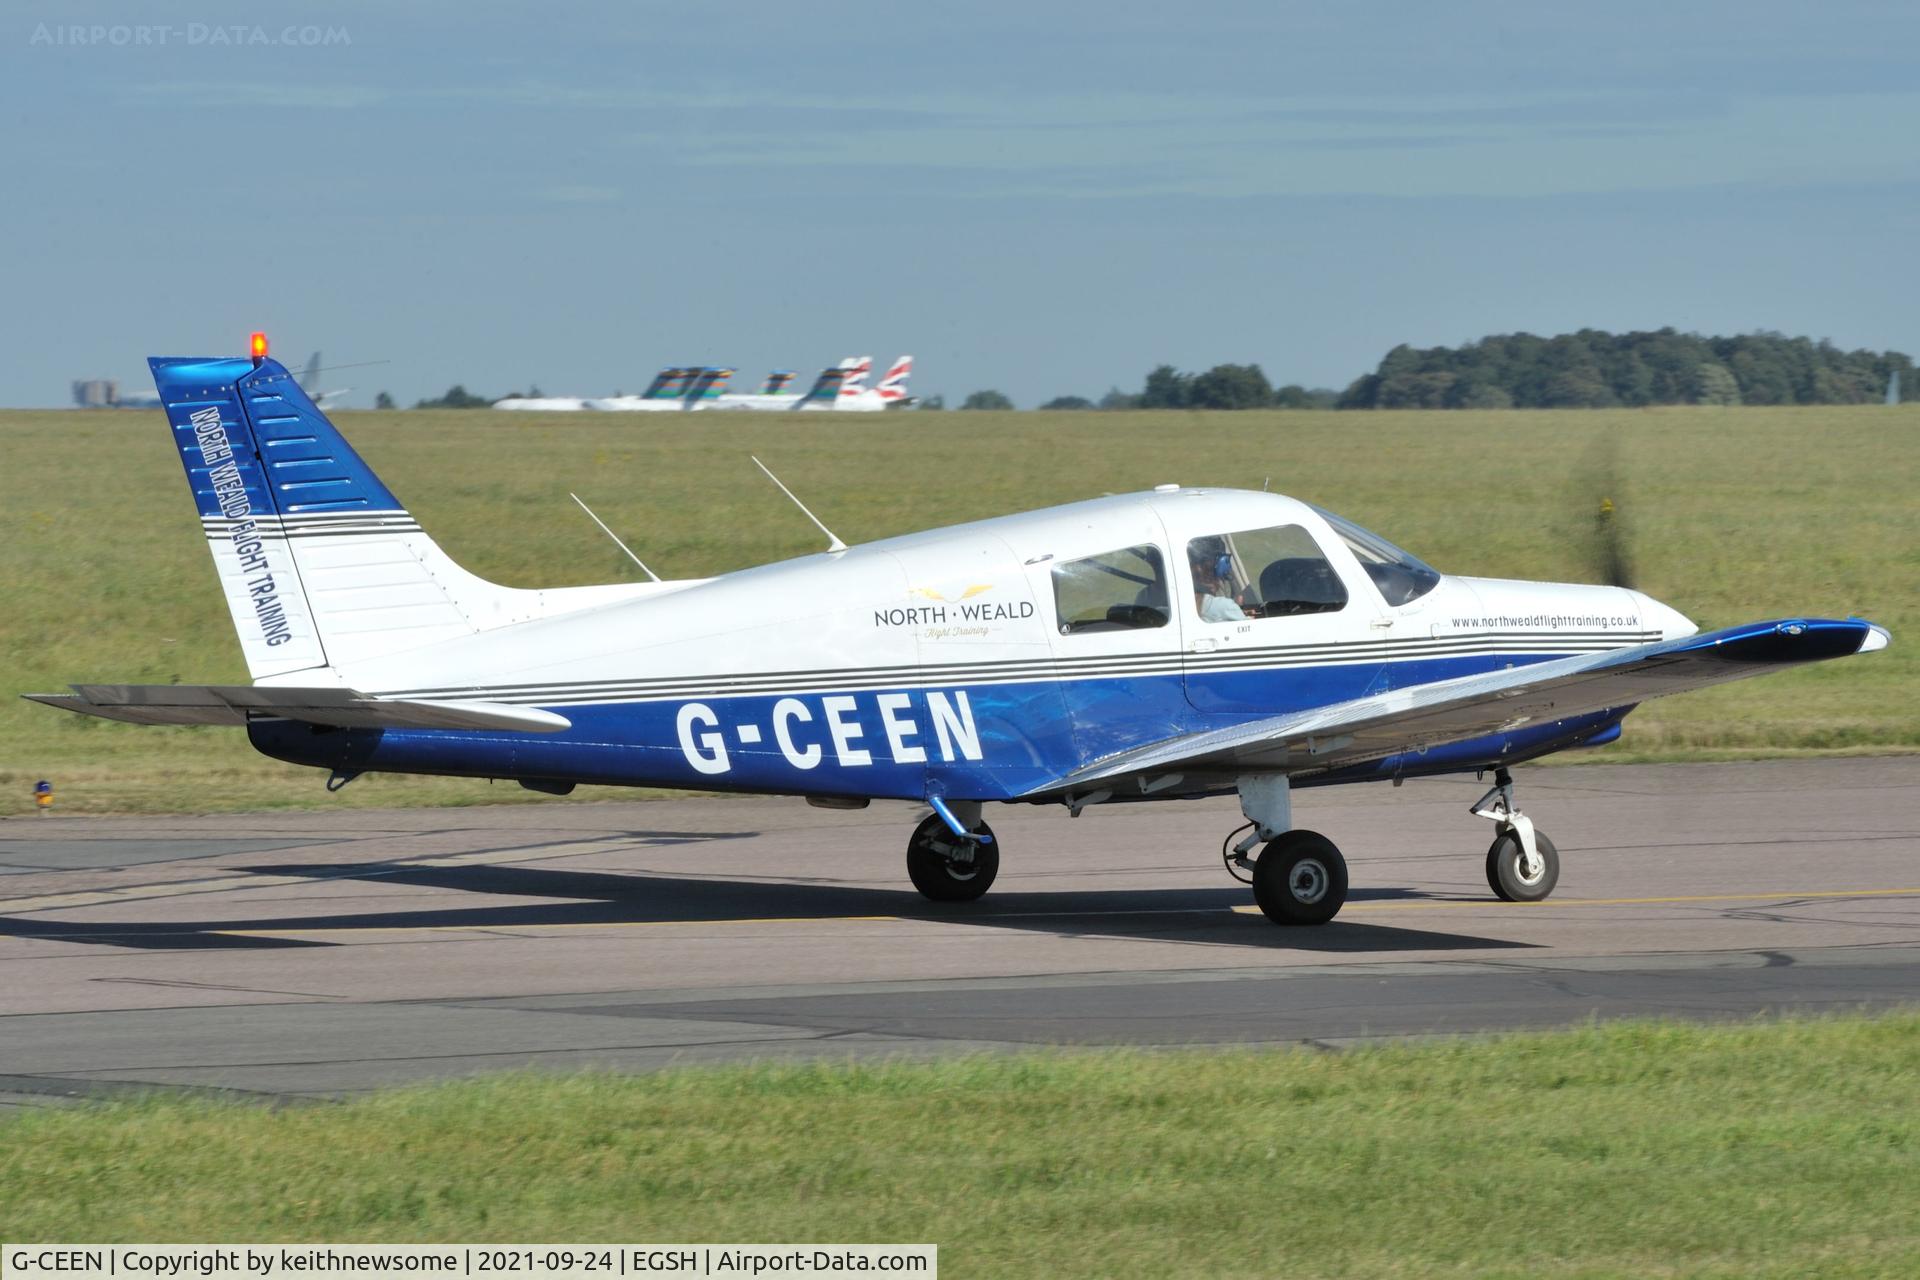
(1478, 706)
(342, 708)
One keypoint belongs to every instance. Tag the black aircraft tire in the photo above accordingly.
(1300, 878)
(935, 872)
(1503, 868)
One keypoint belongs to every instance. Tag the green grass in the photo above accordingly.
(1737, 514)
(1756, 1150)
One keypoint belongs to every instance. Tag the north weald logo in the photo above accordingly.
(956, 606)
(965, 593)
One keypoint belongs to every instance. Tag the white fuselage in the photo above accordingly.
(634, 404)
(983, 595)
(542, 404)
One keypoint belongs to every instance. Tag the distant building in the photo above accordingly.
(96, 393)
(104, 393)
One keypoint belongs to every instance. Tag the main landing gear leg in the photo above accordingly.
(1522, 864)
(1300, 878)
(953, 856)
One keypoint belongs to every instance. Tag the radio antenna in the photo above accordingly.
(616, 538)
(833, 541)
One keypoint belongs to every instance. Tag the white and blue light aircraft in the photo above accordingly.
(1161, 645)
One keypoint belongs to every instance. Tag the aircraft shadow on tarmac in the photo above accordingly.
(590, 898)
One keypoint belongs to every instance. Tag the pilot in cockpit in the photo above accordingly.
(1213, 581)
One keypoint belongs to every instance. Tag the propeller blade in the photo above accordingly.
(1609, 543)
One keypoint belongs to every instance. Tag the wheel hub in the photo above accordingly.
(1529, 867)
(958, 856)
(1308, 883)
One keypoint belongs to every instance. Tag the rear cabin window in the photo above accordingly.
(1122, 590)
(1262, 573)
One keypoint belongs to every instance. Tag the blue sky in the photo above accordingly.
(1044, 199)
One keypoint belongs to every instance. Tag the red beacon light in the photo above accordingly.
(257, 347)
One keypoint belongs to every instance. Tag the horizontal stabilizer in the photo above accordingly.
(341, 708)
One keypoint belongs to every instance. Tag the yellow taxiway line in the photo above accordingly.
(1616, 902)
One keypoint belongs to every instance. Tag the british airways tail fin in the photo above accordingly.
(893, 387)
(856, 380)
(321, 565)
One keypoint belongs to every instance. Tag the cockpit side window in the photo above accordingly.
(1401, 578)
(1262, 573)
(1123, 590)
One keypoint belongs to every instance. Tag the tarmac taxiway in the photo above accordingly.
(322, 953)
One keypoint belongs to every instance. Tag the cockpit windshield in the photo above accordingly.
(1400, 577)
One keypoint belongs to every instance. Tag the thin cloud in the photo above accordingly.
(234, 93)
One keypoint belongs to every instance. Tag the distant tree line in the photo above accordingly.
(1225, 386)
(1596, 370)
(457, 397)
(1588, 369)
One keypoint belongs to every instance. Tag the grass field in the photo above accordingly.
(1737, 514)
(1757, 1150)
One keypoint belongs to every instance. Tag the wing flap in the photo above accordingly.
(340, 708)
(1478, 706)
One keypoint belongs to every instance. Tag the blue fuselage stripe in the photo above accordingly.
(989, 741)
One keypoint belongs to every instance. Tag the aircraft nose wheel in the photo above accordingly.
(1300, 878)
(946, 868)
(1514, 873)
(1515, 877)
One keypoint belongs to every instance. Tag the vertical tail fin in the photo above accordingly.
(232, 486)
(708, 383)
(320, 563)
(856, 380)
(777, 381)
(893, 387)
(825, 389)
(666, 384)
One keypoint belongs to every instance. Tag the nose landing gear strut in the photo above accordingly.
(1522, 864)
